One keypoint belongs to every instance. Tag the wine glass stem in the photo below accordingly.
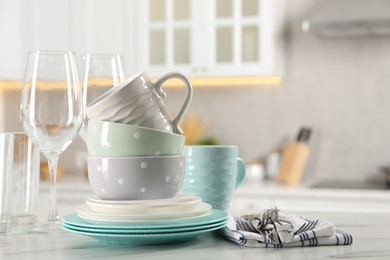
(53, 218)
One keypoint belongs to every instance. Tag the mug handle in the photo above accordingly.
(241, 169)
(158, 85)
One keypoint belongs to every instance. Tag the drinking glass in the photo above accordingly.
(51, 112)
(25, 183)
(99, 72)
(6, 157)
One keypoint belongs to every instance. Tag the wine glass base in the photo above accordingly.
(48, 228)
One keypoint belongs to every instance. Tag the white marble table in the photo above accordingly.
(371, 231)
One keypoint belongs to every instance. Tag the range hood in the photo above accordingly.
(348, 28)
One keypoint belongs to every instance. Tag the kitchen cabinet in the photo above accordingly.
(210, 37)
(200, 38)
(88, 26)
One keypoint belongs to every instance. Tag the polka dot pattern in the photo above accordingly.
(144, 165)
(137, 135)
(112, 181)
(107, 145)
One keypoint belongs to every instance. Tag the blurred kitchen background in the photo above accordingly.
(334, 78)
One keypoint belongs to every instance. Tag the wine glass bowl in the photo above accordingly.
(52, 110)
(99, 72)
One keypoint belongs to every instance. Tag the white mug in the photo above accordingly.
(137, 101)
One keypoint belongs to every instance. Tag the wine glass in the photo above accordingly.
(51, 112)
(99, 72)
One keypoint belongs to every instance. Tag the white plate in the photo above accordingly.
(145, 209)
(118, 222)
(198, 210)
(179, 198)
(217, 216)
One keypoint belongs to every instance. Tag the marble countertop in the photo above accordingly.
(252, 196)
(371, 231)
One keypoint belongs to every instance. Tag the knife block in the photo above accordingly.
(293, 162)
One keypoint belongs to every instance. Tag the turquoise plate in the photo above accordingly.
(144, 231)
(145, 239)
(217, 216)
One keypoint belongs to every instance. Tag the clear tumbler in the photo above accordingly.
(25, 182)
(6, 158)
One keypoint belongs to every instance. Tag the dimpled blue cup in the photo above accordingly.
(213, 173)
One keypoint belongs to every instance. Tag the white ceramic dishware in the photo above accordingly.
(102, 220)
(135, 209)
(108, 139)
(139, 101)
(179, 198)
(183, 207)
(136, 178)
(200, 209)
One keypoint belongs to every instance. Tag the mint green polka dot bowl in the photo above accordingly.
(109, 139)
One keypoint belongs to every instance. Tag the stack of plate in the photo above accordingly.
(139, 222)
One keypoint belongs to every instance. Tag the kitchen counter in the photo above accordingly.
(254, 196)
(370, 228)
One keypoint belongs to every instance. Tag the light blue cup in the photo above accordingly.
(213, 173)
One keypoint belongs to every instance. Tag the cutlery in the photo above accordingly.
(307, 226)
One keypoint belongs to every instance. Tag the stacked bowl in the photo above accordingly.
(128, 162)
(135, 150)
(136, 168)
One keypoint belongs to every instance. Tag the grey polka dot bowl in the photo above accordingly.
(109, 139)
(136, 178)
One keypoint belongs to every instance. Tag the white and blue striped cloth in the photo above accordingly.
(282, 230)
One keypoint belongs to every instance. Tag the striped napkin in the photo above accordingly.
(271, 228)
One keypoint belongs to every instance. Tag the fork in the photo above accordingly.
(307, 226)
(244, 224)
